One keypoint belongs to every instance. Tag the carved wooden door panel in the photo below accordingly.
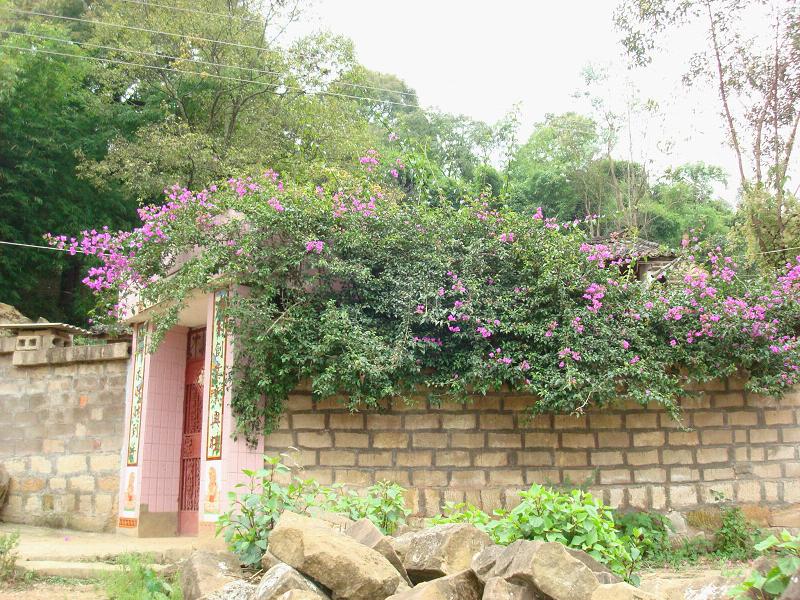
(189, 492)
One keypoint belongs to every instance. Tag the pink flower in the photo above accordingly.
(635, 359)
(626, 344)
(315, 246)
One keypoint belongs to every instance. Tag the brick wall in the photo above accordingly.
(737, 443)
(61, 432)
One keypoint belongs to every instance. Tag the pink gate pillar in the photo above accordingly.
(222, 457)
(150, 473)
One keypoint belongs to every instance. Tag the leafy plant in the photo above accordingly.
(575, 519)
(648, 531)
(138, 581)
(736, 535)
(254, 513)
(382, 503)
(773, 582)
(8, 555)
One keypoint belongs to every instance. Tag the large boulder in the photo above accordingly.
(237, 589)
(350, 570)
(461, 586)
(792, 592)
(281, 579)
(548, 568)
(269, 560)
(365, 532)
(439, 551)
(483, 562)
(206, 572)
(337, 521)
(5, 484)
(602, 572)
(298, 595)
(498, 588)
(620, 591)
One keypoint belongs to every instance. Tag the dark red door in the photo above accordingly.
(189, 494)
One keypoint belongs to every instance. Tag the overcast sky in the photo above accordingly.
(479, 58)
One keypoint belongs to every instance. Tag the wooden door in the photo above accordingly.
(189, 492)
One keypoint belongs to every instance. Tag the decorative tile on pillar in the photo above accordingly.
(137, 395)
(216, 391)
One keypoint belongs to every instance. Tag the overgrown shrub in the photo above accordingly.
(765, 585)
(736, 536)
(575, 519)
(371, 293)
(648, 531)
(137, 580)
(382, 503)
(8, 555)
(255, 511)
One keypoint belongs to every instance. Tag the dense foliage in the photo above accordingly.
(574, 518)
(369, 294)
(258, 504)
(771, 582)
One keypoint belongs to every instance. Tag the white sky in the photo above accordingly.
(480, 58)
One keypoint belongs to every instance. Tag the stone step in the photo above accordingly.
(74, 570)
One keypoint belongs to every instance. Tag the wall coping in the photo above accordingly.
(71, 354)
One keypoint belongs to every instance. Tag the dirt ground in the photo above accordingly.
(46, 590)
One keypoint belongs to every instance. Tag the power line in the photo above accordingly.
(210, 75)
(198, 38)
(166, 56)
(21, 245)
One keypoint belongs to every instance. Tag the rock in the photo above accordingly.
(235, 590)
(461, 586)
(595, 566)
(691, 584)
(620, 591)
(336, 520)
(350, 570)
(5, 484)
(678, 523)
(281, 579)
(498, 588)
(365, 532)
(792, 591)
(207, 572)
(298, 595)
(269, 560)
(483, 562)
(440, 550)
(548, 567)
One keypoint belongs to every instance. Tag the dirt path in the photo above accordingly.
(44, 590)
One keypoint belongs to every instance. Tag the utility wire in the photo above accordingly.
(196, 38)
(201, 74)
(21, 245)
(163, 56)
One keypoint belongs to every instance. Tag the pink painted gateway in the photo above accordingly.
(179, 460)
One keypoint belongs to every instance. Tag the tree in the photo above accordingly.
(553, 169)
(758, 83)
(684, 201)
(49, 116)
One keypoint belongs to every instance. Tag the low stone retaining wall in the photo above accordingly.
(61, 433)
(742, 445)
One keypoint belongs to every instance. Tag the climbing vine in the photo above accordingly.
(370, 293)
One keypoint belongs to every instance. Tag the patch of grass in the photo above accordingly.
(137, 580)
(8, 556)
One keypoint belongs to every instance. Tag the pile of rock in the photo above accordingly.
(313, 559)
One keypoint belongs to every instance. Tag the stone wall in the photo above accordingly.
(61, 432)
(740, 444)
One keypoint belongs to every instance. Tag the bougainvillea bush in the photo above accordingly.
(370, 293)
